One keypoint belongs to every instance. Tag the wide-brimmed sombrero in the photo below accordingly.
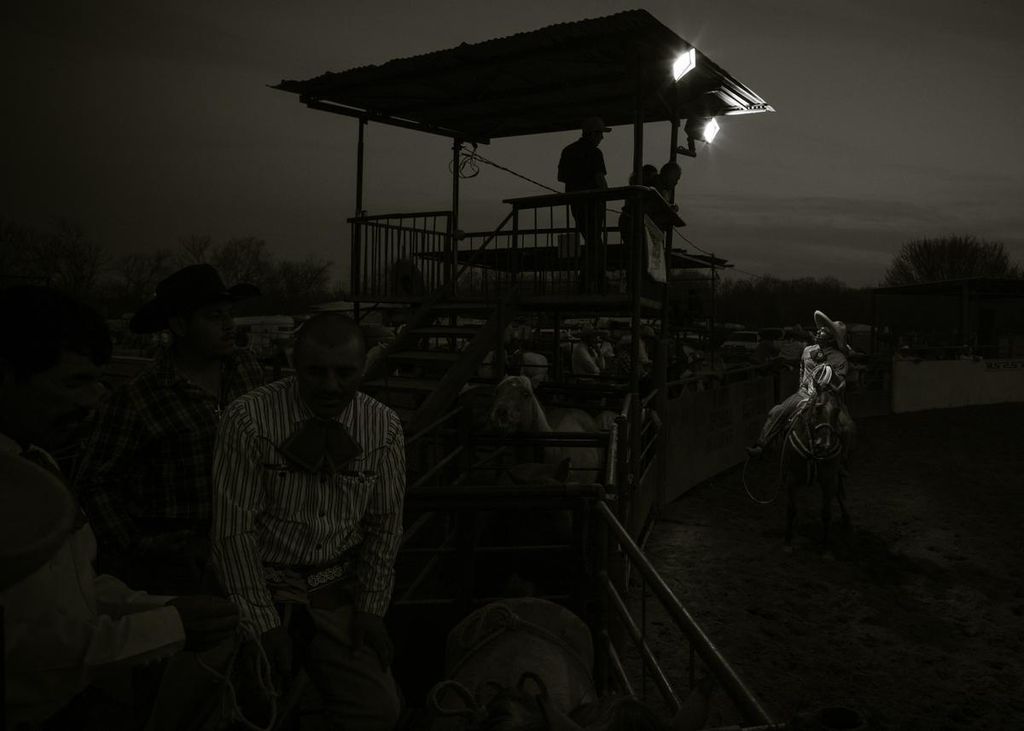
(36, 516)
(188, 289)
(837, 327)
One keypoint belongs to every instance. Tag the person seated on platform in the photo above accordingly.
(829, 348)
(309, 484)
(587, 359)
(65, 626)
(649, 178)
(668, 178)
(145, 476)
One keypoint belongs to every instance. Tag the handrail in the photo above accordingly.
(737, 690)
(435, 423)
(646, 654)
(384, 216)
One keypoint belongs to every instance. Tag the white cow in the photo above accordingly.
(516, 409)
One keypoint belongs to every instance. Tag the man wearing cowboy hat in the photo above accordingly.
(829, 348)
(146, 474)
(581, 167)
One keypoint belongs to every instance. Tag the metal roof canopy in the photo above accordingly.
(547, 80)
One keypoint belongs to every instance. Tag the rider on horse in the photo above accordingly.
(829, 349)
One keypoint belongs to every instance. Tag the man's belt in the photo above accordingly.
(314, 577)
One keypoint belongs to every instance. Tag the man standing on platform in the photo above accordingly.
(309, 484)
(581, 167)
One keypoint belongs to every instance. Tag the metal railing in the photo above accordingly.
(401, 255)
(567, 243)
(699, 645)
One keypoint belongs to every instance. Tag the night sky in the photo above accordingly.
(145, 122)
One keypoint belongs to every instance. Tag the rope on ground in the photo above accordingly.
(264, 677)
(778, 482)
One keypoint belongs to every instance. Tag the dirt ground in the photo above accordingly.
(917, 621)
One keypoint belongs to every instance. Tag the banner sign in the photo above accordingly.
(654, 243)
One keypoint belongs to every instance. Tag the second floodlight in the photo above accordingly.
(683, 65)
(710, 130)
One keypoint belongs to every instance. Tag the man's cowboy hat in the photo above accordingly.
(36, 515)
(594, 124)
(837, 327)
(186, 290)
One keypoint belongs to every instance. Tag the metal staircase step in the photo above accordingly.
(424, 356)
(464, 331)
(398, 383)
(463, 307)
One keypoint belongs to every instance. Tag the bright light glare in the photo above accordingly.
(683, 65)
(710, 130)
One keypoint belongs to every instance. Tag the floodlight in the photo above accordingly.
(683, 65)
(701, 128)
(710, 130)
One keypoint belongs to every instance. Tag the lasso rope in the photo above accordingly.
(778, 482)
(264, 676)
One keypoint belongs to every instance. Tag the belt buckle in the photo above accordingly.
(326, 576)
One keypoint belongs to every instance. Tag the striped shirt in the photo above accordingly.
(268, 513)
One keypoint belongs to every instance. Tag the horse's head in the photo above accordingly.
(823, 422)
(514, 405)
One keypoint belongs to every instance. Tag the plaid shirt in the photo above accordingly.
(148, 463)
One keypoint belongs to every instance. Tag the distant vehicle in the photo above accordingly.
(741, 343)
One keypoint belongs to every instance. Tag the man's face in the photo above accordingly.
(209, 331)
(329, 376)
(823, 336)
(595, 137)
(47, 408)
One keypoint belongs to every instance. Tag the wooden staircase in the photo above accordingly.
(423, 373)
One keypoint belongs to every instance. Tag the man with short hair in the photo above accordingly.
(145, 477)
(829, 348)
(65, 626)
(309, 483)
(581, 167)
(668, 178)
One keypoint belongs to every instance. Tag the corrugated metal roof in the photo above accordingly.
(546, 80)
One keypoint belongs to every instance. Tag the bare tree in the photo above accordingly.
(293, 285)
(951, 257)
(138, 274)
(68, 260)
(194, 249)
(17, 262)
(242, 260)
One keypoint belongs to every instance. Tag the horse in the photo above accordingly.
(528, 663)
(516, 409)
(812, 452)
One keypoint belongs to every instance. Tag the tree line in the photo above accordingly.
(771, 301)
(68, 259)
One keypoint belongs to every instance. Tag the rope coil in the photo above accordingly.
(264, 677)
